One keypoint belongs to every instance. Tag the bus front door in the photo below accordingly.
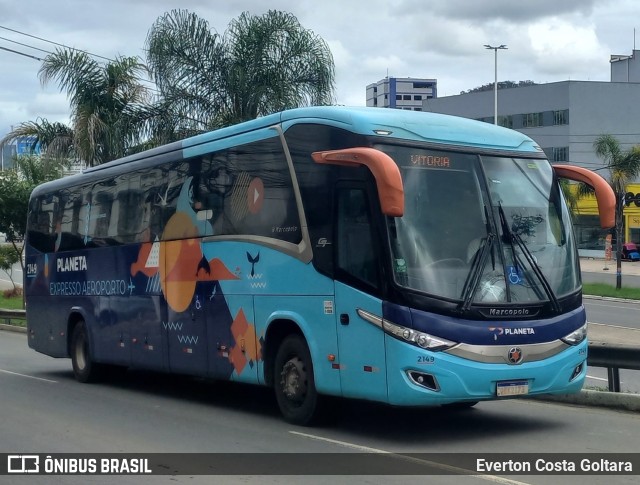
(360, 343)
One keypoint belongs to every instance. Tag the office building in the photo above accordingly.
(401, 93)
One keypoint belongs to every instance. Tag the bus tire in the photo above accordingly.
(294, 382)
(84, 369)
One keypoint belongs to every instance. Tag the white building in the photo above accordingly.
(401, 93)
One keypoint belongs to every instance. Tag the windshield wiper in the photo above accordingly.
(506, 232)
(529, 257)
(538, 272)
(475, 273)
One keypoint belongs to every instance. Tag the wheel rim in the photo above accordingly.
(293, 380)
(81, 360)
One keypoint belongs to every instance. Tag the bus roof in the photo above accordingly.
(402, 125)
(417, 126)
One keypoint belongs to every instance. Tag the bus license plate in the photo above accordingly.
(512, 388)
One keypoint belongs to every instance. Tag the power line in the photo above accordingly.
(21, 53)
(26, 45)
(61, 45)
(54, 43)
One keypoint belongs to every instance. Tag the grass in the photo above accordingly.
(13, 303)
(602, 289)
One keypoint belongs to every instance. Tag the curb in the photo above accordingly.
(13, 328)
(610, 298)
(610, 400)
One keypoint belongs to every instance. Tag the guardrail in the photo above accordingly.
(6, 316)
(612, 356)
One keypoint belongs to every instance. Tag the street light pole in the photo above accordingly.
(495, 84)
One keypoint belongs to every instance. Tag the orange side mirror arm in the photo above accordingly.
(604, 193)
(385, 171)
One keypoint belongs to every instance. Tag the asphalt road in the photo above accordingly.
(609, 278)
(612, 312)
(44, 410)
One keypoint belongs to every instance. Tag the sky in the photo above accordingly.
(547, 40)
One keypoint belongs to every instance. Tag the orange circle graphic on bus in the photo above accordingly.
(179, 261)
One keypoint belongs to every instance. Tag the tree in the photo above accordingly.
(501, 85)
(8, 257)
(16, 186)
(261, 65)
(105, 104)
(623, 167)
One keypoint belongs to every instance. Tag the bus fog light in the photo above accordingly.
(423, 379)
(577, 371)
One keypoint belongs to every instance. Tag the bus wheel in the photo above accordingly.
(294, 383)
(84, 369)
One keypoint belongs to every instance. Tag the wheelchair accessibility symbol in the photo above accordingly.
(514, 276)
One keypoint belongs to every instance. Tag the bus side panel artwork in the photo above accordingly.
(147, 314)
(234, 348)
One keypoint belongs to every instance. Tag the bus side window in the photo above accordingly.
(356, 254)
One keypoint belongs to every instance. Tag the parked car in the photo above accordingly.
(630, 252)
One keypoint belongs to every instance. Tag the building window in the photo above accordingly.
(530, 120)
(417, 109)
(417, 97)
(506, 121)
(561, 117)
(561, 154)
(589, 234)
(398, 97)
(406, 97)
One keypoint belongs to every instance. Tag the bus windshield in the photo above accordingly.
(481, 229)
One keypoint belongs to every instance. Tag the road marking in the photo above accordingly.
(434, 464)
(597, 378)
(613, 306)
(614, 326)
(25, 375)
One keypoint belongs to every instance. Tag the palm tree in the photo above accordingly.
(623, 166)
(54, 139)
(261, 65)
(105, 102)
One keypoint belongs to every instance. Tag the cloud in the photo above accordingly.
(560, 48)
(492, 10)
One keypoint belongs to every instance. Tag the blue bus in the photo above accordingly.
(408, 258)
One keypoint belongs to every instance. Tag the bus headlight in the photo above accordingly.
(422, 340)
(577, 336)
(419, 339)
